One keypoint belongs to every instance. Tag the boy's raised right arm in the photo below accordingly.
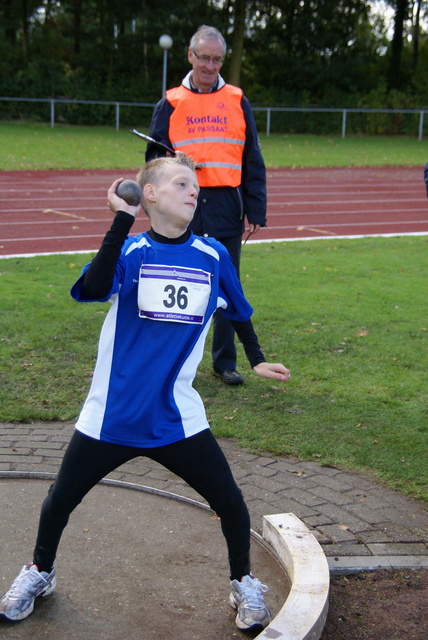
(99, 276)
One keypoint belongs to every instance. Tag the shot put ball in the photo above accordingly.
(129, 191)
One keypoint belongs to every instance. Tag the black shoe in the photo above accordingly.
(230, 376)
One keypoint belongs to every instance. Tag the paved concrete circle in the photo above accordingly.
(131, 565)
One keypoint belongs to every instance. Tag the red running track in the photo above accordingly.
(66, 211)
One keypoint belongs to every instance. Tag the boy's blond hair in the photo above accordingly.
(151, 172)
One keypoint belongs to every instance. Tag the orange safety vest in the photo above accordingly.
(210, 127)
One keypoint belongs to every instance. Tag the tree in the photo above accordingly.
(416, 31)
(284, 52)
(395, 76)
(302, 48)
(237, 42)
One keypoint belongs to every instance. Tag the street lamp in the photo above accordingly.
(165, 42)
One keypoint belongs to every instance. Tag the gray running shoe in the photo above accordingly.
(18, 602)
(247, 598)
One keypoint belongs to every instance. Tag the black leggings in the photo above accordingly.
(197, 460)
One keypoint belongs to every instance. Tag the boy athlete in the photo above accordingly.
(164, 286)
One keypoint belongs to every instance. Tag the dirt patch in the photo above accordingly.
(378, 605)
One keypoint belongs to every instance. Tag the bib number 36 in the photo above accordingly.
(176, 297)
(174, 294)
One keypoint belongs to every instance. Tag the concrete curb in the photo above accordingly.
(304, 613)
(354, 564)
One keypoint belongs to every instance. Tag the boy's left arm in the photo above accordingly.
(272, 370)
(247, 335)
(231, 286)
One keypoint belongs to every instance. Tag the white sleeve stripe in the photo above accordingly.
(198, 244)
(137, 245)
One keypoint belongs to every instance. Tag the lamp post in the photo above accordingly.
(165, 42)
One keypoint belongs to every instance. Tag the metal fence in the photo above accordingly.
(419, 114)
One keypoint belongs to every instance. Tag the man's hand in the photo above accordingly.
(118, 204)
(272, 370)
(253, 228)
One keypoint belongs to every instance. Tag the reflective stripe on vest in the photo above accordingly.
(210, 127)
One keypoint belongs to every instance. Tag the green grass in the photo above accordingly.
(348, 317)
(331, 151)
(36, 146)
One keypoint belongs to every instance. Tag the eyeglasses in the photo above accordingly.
(217, 60)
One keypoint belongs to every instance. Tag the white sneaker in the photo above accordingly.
(247, 597)
(18, 602)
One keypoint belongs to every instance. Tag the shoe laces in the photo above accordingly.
(252, 591)
(21, 584)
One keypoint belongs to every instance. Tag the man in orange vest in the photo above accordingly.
(212, 121)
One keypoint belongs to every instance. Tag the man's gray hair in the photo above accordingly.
(206, 33)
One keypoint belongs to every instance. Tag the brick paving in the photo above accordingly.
(359, 523)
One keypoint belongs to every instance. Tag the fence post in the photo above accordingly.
(52, 113)
(268, 122)
(344, 123)
(421, 125)
(117, 116)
